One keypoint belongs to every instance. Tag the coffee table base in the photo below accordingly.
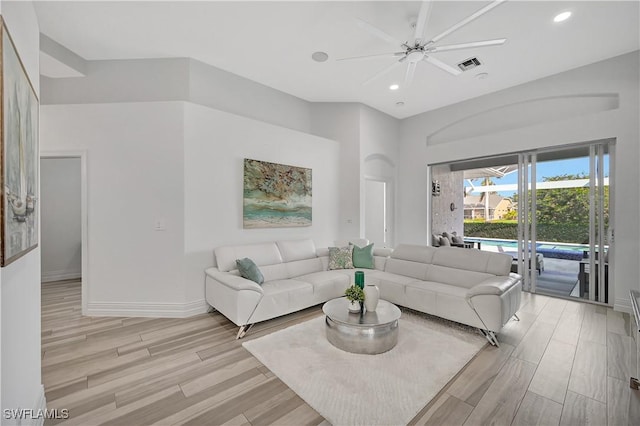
(370, 340)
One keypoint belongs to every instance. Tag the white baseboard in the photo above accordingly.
(41, 404)
(60, 275)
(623, 305)
(142, 309)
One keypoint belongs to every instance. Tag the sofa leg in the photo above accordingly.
(491, 337)
(243, 331)
(516, 317)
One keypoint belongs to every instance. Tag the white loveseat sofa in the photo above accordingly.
(468, 286)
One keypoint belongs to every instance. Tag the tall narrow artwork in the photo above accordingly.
(19, 141)
(276, 195)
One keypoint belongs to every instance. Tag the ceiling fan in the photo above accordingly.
(420, 49)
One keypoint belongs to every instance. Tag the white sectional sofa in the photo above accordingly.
(464, 285)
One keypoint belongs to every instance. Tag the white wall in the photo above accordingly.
(181, 164)
(225, 91)
(177, 79)
(368, 147)
(341, 122)
(379, 142)
(135, 179)
(61, 230)
(216, 144)
(20, 281)
(618, 76)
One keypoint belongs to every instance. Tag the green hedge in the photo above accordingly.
(508, 230)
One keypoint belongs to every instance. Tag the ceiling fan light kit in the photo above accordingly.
(420, 50)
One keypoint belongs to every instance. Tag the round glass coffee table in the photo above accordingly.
(369, 333)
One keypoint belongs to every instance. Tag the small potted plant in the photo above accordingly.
(355, 295)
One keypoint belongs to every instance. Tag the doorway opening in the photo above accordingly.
(64, 247)
(375, 225)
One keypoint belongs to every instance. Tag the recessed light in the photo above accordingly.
(399, 104)
(394, 87)
(562, 17)
(481, 76)
(319, 56)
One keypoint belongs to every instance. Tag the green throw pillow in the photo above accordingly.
(249, 270)
(363, 257)
(340, 258)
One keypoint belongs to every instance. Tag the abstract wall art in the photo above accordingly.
(276, 195)
(19, 148)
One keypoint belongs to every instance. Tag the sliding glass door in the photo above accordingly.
(550, 209)
(564, 221)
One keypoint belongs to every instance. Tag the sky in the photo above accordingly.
(571, 166)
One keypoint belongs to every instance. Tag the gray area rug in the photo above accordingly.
(352, 389)
(556, 283)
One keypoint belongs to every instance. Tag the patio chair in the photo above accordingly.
(514, 262)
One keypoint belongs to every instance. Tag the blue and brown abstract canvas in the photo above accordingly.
(276, 195)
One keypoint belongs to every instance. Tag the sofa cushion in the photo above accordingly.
(414, 253)
(274, 287)
(281, 297)
(275, 272)
(341, 257)
(303, 267)
(363, 257)
(249, 270)
(455, 276)
(406, 268)
(261, 254)
(327, 284)
(296, 249)
(392, 286)
(473, 260)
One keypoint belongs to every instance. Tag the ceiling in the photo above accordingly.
(272, 42)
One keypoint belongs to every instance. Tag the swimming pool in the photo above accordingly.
(548, 249)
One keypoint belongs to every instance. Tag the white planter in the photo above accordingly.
(354, 307)
(371, 297)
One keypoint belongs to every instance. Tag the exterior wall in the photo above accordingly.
(451, 191)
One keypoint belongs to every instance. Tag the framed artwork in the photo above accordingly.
(276, 195)
(19, 151)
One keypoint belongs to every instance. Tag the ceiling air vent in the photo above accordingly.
(469, 64)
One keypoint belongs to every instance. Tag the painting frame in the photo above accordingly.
(19, 147)
(276, 195)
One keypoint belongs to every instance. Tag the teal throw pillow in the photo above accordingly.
(363, 257)
(340, 257)
(249, 270)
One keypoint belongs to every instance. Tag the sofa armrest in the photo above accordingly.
(494, 286)
(234, 282)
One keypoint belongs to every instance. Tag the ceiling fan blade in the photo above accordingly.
(423, 18)
(378, 55)
(468, 19)
(438, 63)
(469, 45)
(377, 32)
(383, 72)
(408, 77)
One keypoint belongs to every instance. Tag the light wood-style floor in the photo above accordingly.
(563, 363)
